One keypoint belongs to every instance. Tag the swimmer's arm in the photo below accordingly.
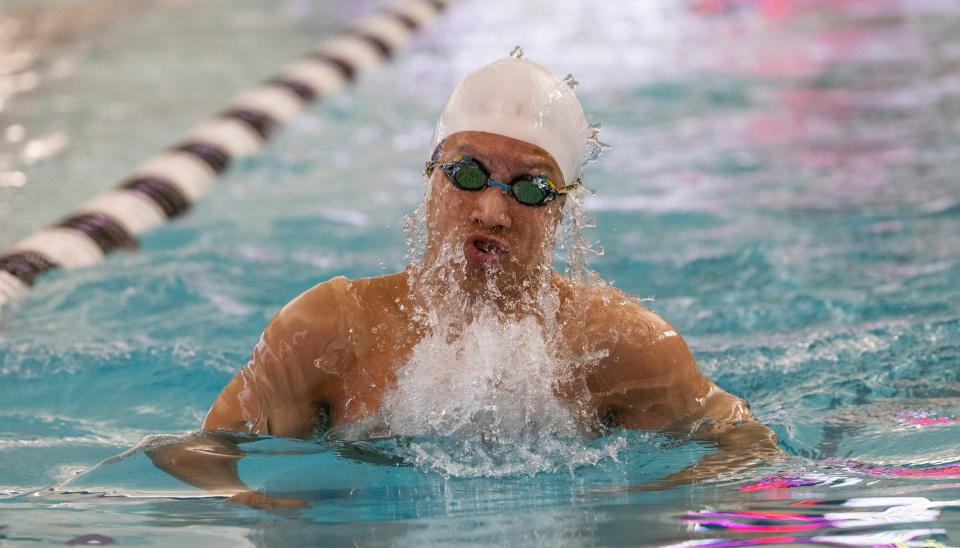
(271, 395)
(651, 380)
(741, 440)
(282, 389)
(253, 402)
(277, 393)
(209, 461)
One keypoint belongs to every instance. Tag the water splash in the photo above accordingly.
(595, 148)
(482, 400)
(493, 388)
(573, 246)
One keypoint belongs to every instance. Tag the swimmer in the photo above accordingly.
(507, 152)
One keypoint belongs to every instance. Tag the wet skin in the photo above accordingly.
(334, 351)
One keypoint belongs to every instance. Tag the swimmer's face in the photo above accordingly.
(495, 232)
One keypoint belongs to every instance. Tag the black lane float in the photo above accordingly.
(167, 184)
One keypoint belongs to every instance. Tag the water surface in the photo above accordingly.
(782, 189)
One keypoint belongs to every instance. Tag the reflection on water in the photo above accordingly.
(848, 518)
(781, 188)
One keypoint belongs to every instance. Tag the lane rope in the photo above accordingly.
(165, 186)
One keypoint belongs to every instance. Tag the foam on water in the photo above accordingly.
(487, 403)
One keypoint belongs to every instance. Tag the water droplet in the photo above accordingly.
(595, 148)
(517, 52)
(571, 81)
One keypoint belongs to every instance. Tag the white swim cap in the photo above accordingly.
(521, 99)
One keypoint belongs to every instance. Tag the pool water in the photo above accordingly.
(782, 189)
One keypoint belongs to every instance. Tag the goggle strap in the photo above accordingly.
(571, 186)
(430, 165)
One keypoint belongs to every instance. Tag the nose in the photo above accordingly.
(491, 209)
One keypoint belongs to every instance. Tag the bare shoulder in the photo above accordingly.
(335, 303)
(376, 289)
(305, 345)
(316, 303)
(609, 314)
(647, 377)
(639, 338)
(309, 334)
(618, 307)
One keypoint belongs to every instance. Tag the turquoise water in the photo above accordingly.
(782, 189)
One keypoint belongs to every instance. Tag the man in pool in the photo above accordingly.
(508, 150)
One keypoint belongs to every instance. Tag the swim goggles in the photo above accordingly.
(467, 173)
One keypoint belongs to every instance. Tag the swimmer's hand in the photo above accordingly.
(209, 460)
(256, 499)
(739, 447)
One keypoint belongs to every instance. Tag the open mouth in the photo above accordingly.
(485, 251)
(488, 246)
